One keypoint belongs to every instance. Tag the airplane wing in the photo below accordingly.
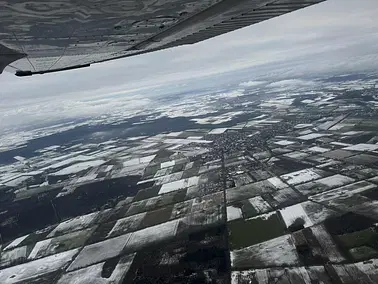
(38, 37)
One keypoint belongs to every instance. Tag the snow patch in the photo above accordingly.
(284, 142)
(99, 252)
(176, 185)
(292, 213)
(251, 83)
(218, 131)
(16, 242)
(234, 213)
(73, 224)
(317, 149)
(300, 176)
(312, 136)
(260, 205)
(277, 182)
(92, 274)
(29, 270)
(276, 252)
(79, 167)
(362, 147)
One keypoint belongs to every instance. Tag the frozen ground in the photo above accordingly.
(16, 242)
(74, 224)
(233, 213)
(300, 176)
(260, 205)
(276, 252)
(362, 147)
(79, 167)
(29, 270)
(292, 213)
(153, 234)
(100, 251)
(176, 185)
(93, 274)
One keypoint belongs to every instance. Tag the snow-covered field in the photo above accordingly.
(69, 241)
(79, 167)
(249, 190)
(74, 224)
(234, 213)
(100, 251)
(343, 192)
(362, 147)
(312, 136)
(328, 246)
(292, 213)
(323, 184)
(297, 155)
(260, 205)
(286, 195)
(153, 234)
(11, 256)
(137, 161)
(284, 142)
(301, 176)
(126, 225)
(318, 213)
(29, 270)
(176, 185)
(93, 274)
(218, 131)
(277, 183)
(317, 149)
(16, 242)
(294, 275)
(167, 164)
(275, 252)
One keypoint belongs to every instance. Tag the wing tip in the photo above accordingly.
(21, 73)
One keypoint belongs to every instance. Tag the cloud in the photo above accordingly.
(291, 82)
(70, 109)
(334, 36)
(251, 83)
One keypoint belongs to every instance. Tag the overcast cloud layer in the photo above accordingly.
(334, 36)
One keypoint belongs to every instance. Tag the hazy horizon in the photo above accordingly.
(336, 36)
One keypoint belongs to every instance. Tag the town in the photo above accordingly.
(281, 188)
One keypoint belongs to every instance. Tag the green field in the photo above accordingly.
(356, 239)
(245, 233)
(361, 245)
(248, 210)
(363, 252)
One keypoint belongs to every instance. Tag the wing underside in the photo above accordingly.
(47, 36)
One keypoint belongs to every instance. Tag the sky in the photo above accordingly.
(333, 36)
